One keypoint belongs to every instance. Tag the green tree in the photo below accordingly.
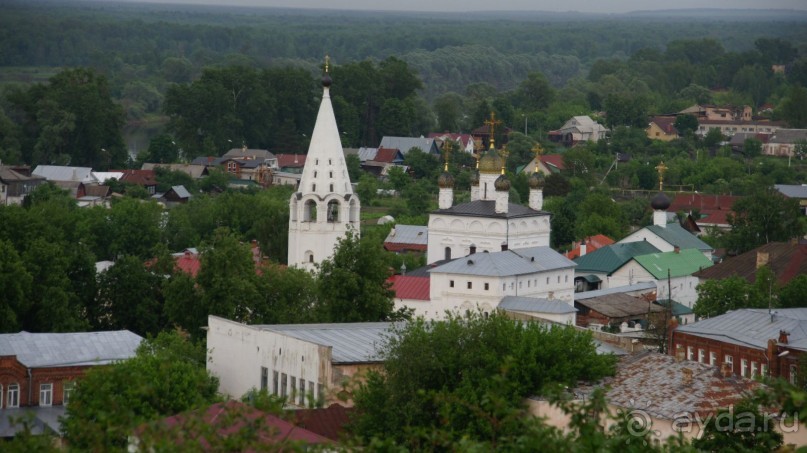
(686, 125)
(793, 294)
(162, 149)
(794, 107)
(763, 217)
(417, 198)
(167, 376)
(353, 167)
(716, 297)
(740, 428)
(135, 228)
(367, 189)
(16, 283)
(353, 284)
(463, 374)
(534, 93)
(128, 280)
(449, 110)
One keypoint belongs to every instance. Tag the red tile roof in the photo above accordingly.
(406, 287)
(592, 243)
(713, 208)
(386, 155)
(139, 177)
(553, 159)
(189, 263)
(290, 160)
(401, 247)
(232, 418)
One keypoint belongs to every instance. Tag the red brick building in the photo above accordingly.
(750, 342)
(39, 370)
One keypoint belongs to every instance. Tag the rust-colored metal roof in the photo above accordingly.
(786, 260)
(406, 287)
(327, 422)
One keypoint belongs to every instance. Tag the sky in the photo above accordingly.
(589, 6)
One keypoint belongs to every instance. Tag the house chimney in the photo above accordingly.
(783, 335)
(726, 370)
(473, 249)
(504, 246)
(686, 377)
(583, 248)
(762, 259)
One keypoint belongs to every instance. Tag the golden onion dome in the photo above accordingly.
(502, 184)
(491, 162)
(536, 180)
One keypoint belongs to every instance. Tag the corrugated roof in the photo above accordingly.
(788, 136)
(592, 243)
(487, 208)
(676, 235)
(792, 190)
(408, 234)
(240, 153)
(506, 263)
(753, 327)
(684, 262)
(639, 287)
(654, 383)
(407, 287)
(367, 153)
(611, 257)
(181, 191)
(42, 350)
(786, 260)
(351, 342)
(535, 305)
(619, 305)
(678, 309)
(103, 176)
(195, 171)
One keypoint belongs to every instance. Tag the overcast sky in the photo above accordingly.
(591, 6)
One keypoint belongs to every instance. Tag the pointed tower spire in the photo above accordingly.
(324, 207)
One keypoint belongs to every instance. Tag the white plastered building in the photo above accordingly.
(324, 208)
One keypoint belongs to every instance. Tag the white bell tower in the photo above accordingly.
(324, 207)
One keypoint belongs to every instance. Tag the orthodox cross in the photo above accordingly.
(504, 153)
(491, 123)
(327, 63)
(537, 150)
(661, 168)
(448, 147)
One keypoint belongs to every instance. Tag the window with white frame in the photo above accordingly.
(690, 353)
(67, 391)
(744, 368)
(730, 361)
(701, 356)
(764, 369)
(13, 396)
(793, 374)
(754, 369)
(45, 394)
(713, 358)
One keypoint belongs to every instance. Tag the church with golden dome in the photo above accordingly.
(489, 222)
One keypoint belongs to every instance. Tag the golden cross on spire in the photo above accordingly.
(491, 123)
(504, 153)
(448, 147)
(537, 150)
(327, 63)
(661, 168)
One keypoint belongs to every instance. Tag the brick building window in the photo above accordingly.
(13, 396)
(701, 356)
(67, 391)
(713, 358)
(45, 394)
(690, 353)
(729, 360)
(793, 374)
(743, 367)
(764, 369)
(754, 369)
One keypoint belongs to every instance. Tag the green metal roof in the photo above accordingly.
(678, 309)
(611, 257)
(676, 235)
(685, 262)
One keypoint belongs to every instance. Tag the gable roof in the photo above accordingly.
(592, 243)
(412, 237)
(139, 177)
(388, 155)
(328, 422)
(553, 160)
(487, 208)
(679, 264)
(788, 136)
(291, 160)
(462, 139)
(62, 173)
(675, 235)
(404, 144)
(611, 257)
(792, 190)
(654, 383)
(714, 209)
(619, 305)
(249, 154)
(535, 305)
(180, 191)
(9, 175)
(786, 260)
(195, 171)
(753, 327)
(43, 350)
(665, 123)
(366, 154)
(408, 287)
(505, 263)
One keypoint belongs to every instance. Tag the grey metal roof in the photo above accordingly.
(506, 263)
(753, 327)
(367, 153)
(181, 191)
(535, 305)
(240, 153)
(644, 286)
(788, 136)
(44, 420)
(351, 342)
(408, 234)
(42, 350)
(792, 190)
(404, 144)
(61, 173)
(487, 208)
(606, 348)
